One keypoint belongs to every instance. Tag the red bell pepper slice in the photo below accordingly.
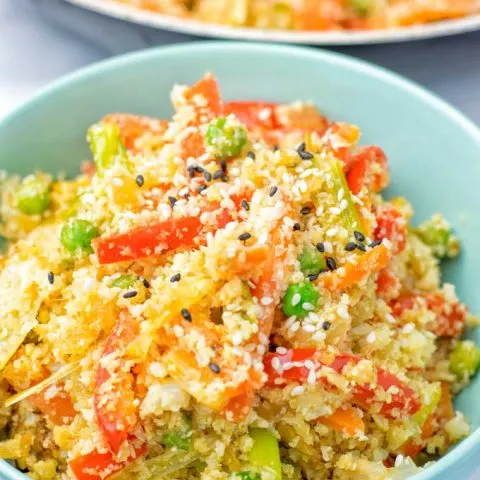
(254, 114)
(368, 167)
(100, 466)
(114, 396)
(391, 225)
(404, 400)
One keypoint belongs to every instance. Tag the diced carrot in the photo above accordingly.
(204, 97)
(254, 115)
(239, 406)
(59, 408)
(250, 258)
(368, 167)
(344, 420)
(114, 395)
(370, 262)
(132, 127)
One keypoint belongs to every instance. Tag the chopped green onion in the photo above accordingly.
(421, 416)
(124, 281)
(312, 261)
(246, 476)
(77, 235)
(300, 299)
(33, 195)
(106, 145)
(465, 359)
(180, 437)
(265, 453)
(225, 139)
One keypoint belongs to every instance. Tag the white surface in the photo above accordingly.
(43, 39)
(193, 27)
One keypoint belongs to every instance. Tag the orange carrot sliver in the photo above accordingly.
(370, 262)
(344, 420)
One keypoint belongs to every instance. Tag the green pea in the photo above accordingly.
(124, 281)
(311, 261)
(106, 145)
(464, 359)
(33, 195)
(225, 139)
(297, 296)
(77, 235)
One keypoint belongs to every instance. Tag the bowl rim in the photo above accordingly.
(347, 62)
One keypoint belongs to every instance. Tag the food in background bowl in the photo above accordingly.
(226, 296)
(313, 15)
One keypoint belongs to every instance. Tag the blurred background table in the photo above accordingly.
(43, 39)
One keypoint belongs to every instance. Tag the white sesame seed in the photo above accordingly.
(307, 306)
(118, 182)
(319, 336)
(263, 338)
(296, 299)
(331, 232)
(335, 210)
(266, 301)
(340, 194)
(261, 349)
(409, 327)
(371, 337)
(398, 460)
(237, 338)
(309, 364)
(312, 377)
(298, 390)
(276, 365)
(328, 247)
(294, 327)
(281, 350)
(178, 331)
(390, 318)
(308, 327)
(343, 204)
(287, 366)
(343, 312)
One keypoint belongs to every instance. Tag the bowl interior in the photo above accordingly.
(433, 150)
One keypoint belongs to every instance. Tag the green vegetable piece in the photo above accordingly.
(465, 359)
(33, 195)
(362, 7)
(225, 139)
(77, 235)
(124, 281)
(297, 296)
(349, 214)
(247, 476)
(265, 454)
(311, 261)
(427, 409)
(437, 234)
(180, 437)
(106, 145)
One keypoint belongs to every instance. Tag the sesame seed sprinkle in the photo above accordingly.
(326, 325)
(361, 247)
(296, 227)
(251, 155)
(146, 283)
(320, 247)
(214, 367)
(312, 277)
(186, 314)
(273, 191)
(331, 264)
(305, 210)
(375, 243)
(175, 278)
(350, 246)
(172, 201)
(201, 188)
(218, 174)
(296, 299)
(245, 205)
(359, 236)
(244, 236)
(130, 294)
(207, 175)
(139, 180)
(223, 165)
(51, 278)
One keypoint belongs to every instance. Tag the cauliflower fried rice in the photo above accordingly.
(226, 296)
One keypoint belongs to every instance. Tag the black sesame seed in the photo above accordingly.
(245, 205)
(214, 367)
(131, 294)
(186, 314)
(201, 188)
(175, 278)
(301, 147)
(139, 180)
(326, 325)
(361, 247)
(146, 283)
(191, 171)
(245, 236)
(199, 169)
(312, 277)
(275, 148)
(273, 190)
(296, 227)
(305, 210)
(331, 263)
(251, 155)
(186, 196)
(218, 174)
(51, 278)
(375, 243)
(223, 165)
(172, 201)
(207, 175)
(359, 236)
(302, 153)
(350, 246)
(320, 247)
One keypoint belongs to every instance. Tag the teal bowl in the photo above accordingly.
(433, 150)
